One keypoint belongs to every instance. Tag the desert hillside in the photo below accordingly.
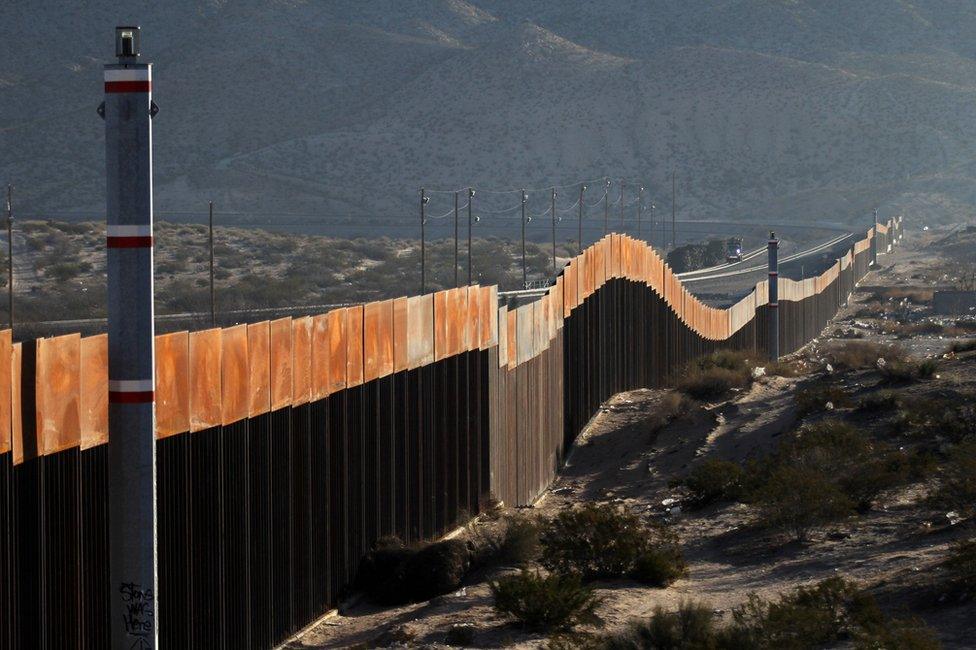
(343, 109)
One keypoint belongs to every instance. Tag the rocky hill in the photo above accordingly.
(802, 109)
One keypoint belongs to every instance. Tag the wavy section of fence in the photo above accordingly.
(286, 448)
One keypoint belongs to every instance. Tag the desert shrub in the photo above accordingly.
(783, 369)
(712, 383)
(600, 541)
(514, 542)
(957, 483)
(963, 346)
(844, 456)
(929, 419)
(961, 565)
(552, 602)
(853, 355)
(798, 500)
(660, 565)
(715, 374)
(815, 398)
(807, 617)
(896, 634)
(880, 402)
(394, 574)
(926, 369)
(815, 616)
(903, 372)
(714, 480)
(460, 635)
(690, 626)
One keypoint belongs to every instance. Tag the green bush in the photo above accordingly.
(961, 566)
(813, 399)
(659, 566)
(798, 500)
(712, 383)
(514, 542)
(553, 602)
(714, 480)
(957, 483)
(690, 626)
(807, 617)
(880, 402)
(393, 574)
(930, 418)
(600, 541)
(714, 375)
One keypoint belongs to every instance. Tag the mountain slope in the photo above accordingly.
(764, 107)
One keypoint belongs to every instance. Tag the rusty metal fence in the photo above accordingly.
(285, 449)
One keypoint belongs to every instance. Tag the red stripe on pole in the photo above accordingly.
(130, 396)
(128, 86)
(129, 242)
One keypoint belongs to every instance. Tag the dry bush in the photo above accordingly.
(940, 418)
(715, 374)
(957, 482)
(714, 480)
(820, 616)
(963, 346)
(553, 602)
(785, 369)
(601, 541)
(393, 574)
(798, 500)
(690, 626)
(961, 565)
(915, 295)
(884, 401)
(513, 542)
(854, 355)
(911, 330)
(816, 397)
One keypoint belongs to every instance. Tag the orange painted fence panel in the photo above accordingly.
(301, 360)
(281, 369)
(58, 393)
(94, 391)
(354, 346)
(259, 368)
(205, 385)
(6, 350)
(172, 384)
(235, 375)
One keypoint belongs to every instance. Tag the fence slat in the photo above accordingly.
(58, 393)
(205, 376)
(235, 389)
(172, 384)
(282, 373)
(259, 368)
(94, 391)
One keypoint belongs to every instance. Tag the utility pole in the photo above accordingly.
(128, 110)
(674, 194)
(582, 191)
(213, 296)
(423, 241)
(524, 276)
(456, 281)
(606, 208)
(772, 341)
(553, 207)
(622, 205)
(874, 241)
(640, 208)
(10, 256)
(470, 197)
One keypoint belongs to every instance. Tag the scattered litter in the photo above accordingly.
(881, 363)
(953, 517)
(758, 372)
(829, 406)
(675, 510)
(670, 501)
(829, 368)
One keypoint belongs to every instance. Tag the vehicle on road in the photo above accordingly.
(733, 250)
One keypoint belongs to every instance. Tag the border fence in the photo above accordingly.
(286, 448)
